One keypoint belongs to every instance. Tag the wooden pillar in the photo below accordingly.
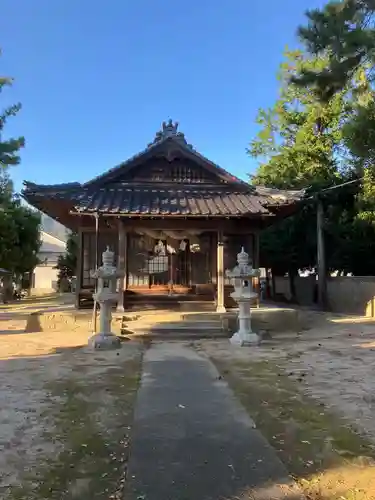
(79, 270)
(213, 258)
(256, 281)
(220, 308)
(122, 263)
(97, 264)
(97, 257)
(256, 250)
(321, 264)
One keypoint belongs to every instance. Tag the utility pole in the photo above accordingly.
(321, 261)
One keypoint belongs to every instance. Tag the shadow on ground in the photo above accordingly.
(182, 430)
(51, 415)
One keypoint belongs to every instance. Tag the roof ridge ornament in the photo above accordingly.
(170, 129)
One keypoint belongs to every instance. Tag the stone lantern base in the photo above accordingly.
(244, 338)
(105, 341)
(245, 334)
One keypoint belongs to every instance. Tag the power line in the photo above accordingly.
(336, 186)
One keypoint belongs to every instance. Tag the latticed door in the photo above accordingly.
(181, 265)
(89, 256)
(156, 264)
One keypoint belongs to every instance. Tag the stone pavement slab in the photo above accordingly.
(191, 438)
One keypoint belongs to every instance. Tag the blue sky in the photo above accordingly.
(96, 79)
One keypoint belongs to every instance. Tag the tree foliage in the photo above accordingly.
(9, 148)
(301, 145)
(300, 138)
(290, 245)
(344, 32)
(67, 264)
(306, 141)
(19, 226)
(19, 241)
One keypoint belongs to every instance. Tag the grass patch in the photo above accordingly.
(320, 450)
(91, 419)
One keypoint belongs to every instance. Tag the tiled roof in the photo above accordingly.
(280, 196)
(51, 188)
(169, 200)
(194, 202)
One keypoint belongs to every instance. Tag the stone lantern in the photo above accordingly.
(107, 296)
(241, 277)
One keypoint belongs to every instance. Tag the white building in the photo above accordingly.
(44, 278)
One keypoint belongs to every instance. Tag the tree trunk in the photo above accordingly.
(273, 293)
(321, 263)
(268, 285)
(292, 286)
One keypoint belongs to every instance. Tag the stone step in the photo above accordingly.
(177, 305)
(177, 331)
(176, 326)
(151, 306)
(202, 316)
(178, 335)
(176, 297)
(197, 305)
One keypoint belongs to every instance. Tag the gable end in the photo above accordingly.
(182, 164)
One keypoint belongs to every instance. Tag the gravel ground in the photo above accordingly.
(37, 371)
(333, 361)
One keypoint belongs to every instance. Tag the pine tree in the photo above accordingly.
(300, 137)
(302, 144)
(19, 226)
(9, 148)
(344, 33)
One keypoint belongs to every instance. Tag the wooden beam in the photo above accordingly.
(232, 226)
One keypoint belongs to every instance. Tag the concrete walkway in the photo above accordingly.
(192, 440)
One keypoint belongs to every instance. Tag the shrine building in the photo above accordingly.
(174, 219)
